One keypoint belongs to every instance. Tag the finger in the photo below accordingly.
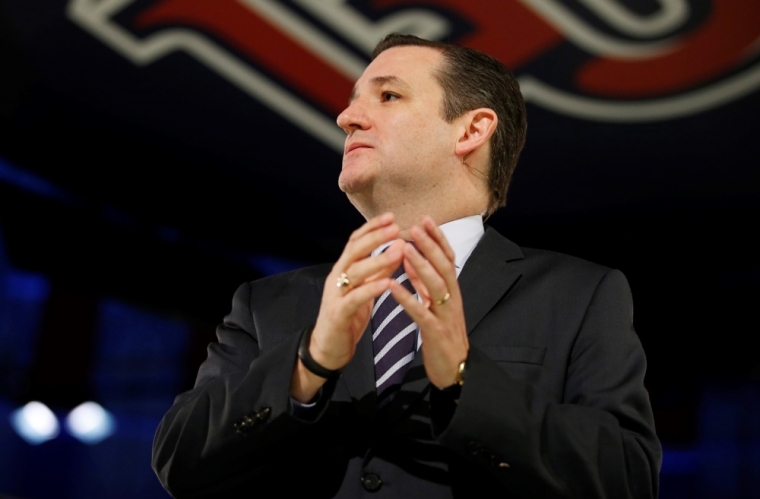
(416, 310)
(437, 234)
(359, 247)
(417, 283)
(362, 246)
(435, 255)
(379, 266)
(362, 294)
(435, 285)
(372, 224)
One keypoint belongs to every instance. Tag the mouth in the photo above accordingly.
(356, 145)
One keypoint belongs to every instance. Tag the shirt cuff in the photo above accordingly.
(308, 411)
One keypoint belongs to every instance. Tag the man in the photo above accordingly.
(521, 375)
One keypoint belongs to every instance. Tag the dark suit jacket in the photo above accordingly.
(553, 403)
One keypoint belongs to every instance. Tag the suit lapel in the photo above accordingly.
(487, 276)
(484, 280)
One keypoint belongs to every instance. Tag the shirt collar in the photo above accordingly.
(462, 234)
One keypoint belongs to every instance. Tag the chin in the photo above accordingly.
(351, 181)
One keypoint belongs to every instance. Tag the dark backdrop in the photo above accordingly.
(138, 190)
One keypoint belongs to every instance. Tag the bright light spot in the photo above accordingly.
(35, 423)
(90, 423)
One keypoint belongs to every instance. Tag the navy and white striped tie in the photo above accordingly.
(394, 336)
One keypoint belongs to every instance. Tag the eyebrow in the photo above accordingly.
(378, 81)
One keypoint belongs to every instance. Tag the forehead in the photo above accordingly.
(409, 66)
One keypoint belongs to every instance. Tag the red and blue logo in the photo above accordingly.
(591, 59)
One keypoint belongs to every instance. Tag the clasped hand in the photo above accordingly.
(357, 279)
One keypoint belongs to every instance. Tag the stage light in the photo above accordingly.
(90, 423)
(35, 423)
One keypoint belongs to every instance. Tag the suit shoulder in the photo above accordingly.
(281, 299)
(286, 282)
(571, 284)
(539, 262)
(560, 266)
(554, 258)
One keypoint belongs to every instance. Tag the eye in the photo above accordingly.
(389, 96)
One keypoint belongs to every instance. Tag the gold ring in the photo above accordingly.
(343, 280)
(442, 300)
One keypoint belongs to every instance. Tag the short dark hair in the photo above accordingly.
(470, 80)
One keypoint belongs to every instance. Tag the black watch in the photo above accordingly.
(309, 362)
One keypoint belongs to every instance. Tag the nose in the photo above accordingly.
(354, 117)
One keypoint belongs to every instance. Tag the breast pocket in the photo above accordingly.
(520, 362)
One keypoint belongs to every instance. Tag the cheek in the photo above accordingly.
(416, 134)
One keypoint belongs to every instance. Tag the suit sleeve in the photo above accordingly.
(598, 441)
(220, 433)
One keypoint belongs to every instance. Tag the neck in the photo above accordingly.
(444, 197)
(407, 215)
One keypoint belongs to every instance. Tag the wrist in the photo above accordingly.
(305, 384)
(460, 373)
(453, 378)
(458, 382)
(324, 355)
(316, 366)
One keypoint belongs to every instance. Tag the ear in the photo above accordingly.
(477, 127)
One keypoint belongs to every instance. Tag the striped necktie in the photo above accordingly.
(394, 336)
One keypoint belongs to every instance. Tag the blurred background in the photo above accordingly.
(154, 154)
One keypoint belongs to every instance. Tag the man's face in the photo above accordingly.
(397, 139)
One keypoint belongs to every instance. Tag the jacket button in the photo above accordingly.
(371, 482)
(263, 414)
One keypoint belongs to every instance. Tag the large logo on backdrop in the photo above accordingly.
(592, 59)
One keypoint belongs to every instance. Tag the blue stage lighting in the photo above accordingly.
(90, 423)
(35, 423)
